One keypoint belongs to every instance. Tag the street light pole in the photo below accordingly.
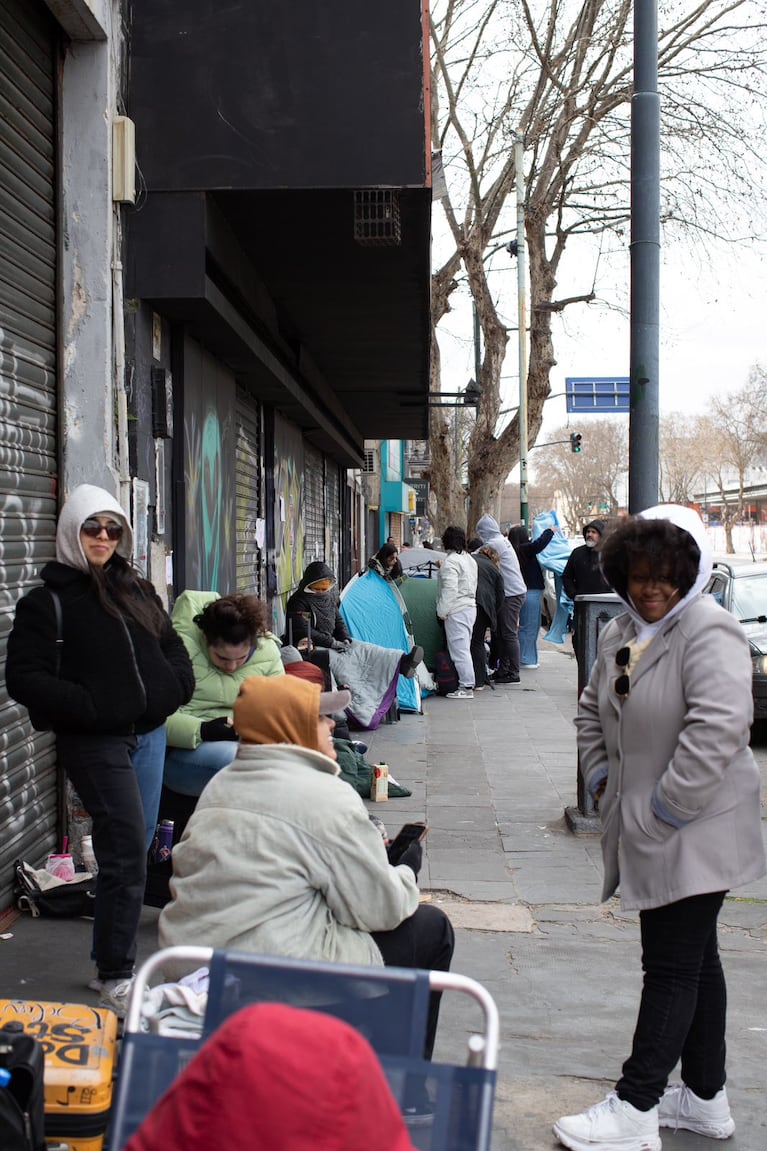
(522, 327)
(645, 261)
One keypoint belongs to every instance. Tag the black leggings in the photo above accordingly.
(684, 1003)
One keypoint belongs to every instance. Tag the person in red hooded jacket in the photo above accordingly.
(277, 1078)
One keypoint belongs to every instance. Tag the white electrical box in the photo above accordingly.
(123, 160)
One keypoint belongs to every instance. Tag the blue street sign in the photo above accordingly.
(597, 394)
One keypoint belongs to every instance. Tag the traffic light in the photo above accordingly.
(575, 441)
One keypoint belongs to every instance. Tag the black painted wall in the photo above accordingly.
(268, 94)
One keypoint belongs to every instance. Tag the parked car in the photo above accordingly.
(742, 589)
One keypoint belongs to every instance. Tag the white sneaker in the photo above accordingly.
(613, 1125)
(95, 984)
(681, 1107)
(461, 693)
(115, 994)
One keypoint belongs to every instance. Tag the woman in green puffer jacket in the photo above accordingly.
(227, 641)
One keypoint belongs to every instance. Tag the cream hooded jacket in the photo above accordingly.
(280, 857)
(681, 807)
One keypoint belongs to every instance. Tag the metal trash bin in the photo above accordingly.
(592, 615)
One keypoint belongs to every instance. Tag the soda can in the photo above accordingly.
(163, 842)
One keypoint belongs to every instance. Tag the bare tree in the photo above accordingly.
(558, 75)
(735, 437)
(591, 481)
(682, 458)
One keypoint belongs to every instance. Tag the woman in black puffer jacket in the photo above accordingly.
(104, 679)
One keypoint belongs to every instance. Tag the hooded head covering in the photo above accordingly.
(597, 525)
(317, 570)
(283, 709)
(690, 522)
(85, 501)
(285, 1079)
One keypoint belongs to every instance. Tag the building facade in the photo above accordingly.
(215, 284)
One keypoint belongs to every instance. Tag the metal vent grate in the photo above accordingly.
(369, 464)
(376, 216)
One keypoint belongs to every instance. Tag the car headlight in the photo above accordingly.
(759, 664)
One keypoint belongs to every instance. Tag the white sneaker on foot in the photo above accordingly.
(95, 984)
(612, 1125)
(461, 693)
(681, 1107)
(115, 994)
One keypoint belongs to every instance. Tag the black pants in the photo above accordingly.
(425, 940)
(478, 652)
(101, 772)
(684, 1003)
(507, 636)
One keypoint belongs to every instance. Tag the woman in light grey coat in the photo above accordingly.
(663, 737)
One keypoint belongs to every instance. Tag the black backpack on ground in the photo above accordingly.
(445, 675)
(22, 1101)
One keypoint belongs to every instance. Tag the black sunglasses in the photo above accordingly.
(622, 683)
(93, 529)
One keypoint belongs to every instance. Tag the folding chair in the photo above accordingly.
(388, 1005)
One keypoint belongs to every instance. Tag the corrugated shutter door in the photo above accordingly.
(249, 494)
(28, 450)
(314, 505)
(333, 516)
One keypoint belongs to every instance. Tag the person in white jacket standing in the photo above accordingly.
(457, 606)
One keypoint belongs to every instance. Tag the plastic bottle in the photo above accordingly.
(87, 855)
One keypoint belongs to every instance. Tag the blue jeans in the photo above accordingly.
(529, 626)
(684, 1003)
(148, 762)
(187, 770)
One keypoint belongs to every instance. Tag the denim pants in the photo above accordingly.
(187, 770)
(103, 775)
(529, 627)
(684, 1003)
(425, 940)
(148, 760)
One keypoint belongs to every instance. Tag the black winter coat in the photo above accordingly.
(490, 594)
(528, 559)
(114, 678)
(321, 608)
(582, 574)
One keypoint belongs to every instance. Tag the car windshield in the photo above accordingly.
(749, 598)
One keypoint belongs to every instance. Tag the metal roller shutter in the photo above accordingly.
(314, 504)
(333, 516)
(249, 495)
(28, 442)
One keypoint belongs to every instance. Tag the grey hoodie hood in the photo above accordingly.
(490, 533)
(690, 522)
(87, 500)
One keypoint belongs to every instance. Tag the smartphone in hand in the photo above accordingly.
(409, 833)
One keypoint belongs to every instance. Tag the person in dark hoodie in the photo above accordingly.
(368, 670)
(582, 574)
(530, 616)
(490, 597)
(95, 659)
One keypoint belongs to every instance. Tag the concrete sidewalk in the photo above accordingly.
(492, 777)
